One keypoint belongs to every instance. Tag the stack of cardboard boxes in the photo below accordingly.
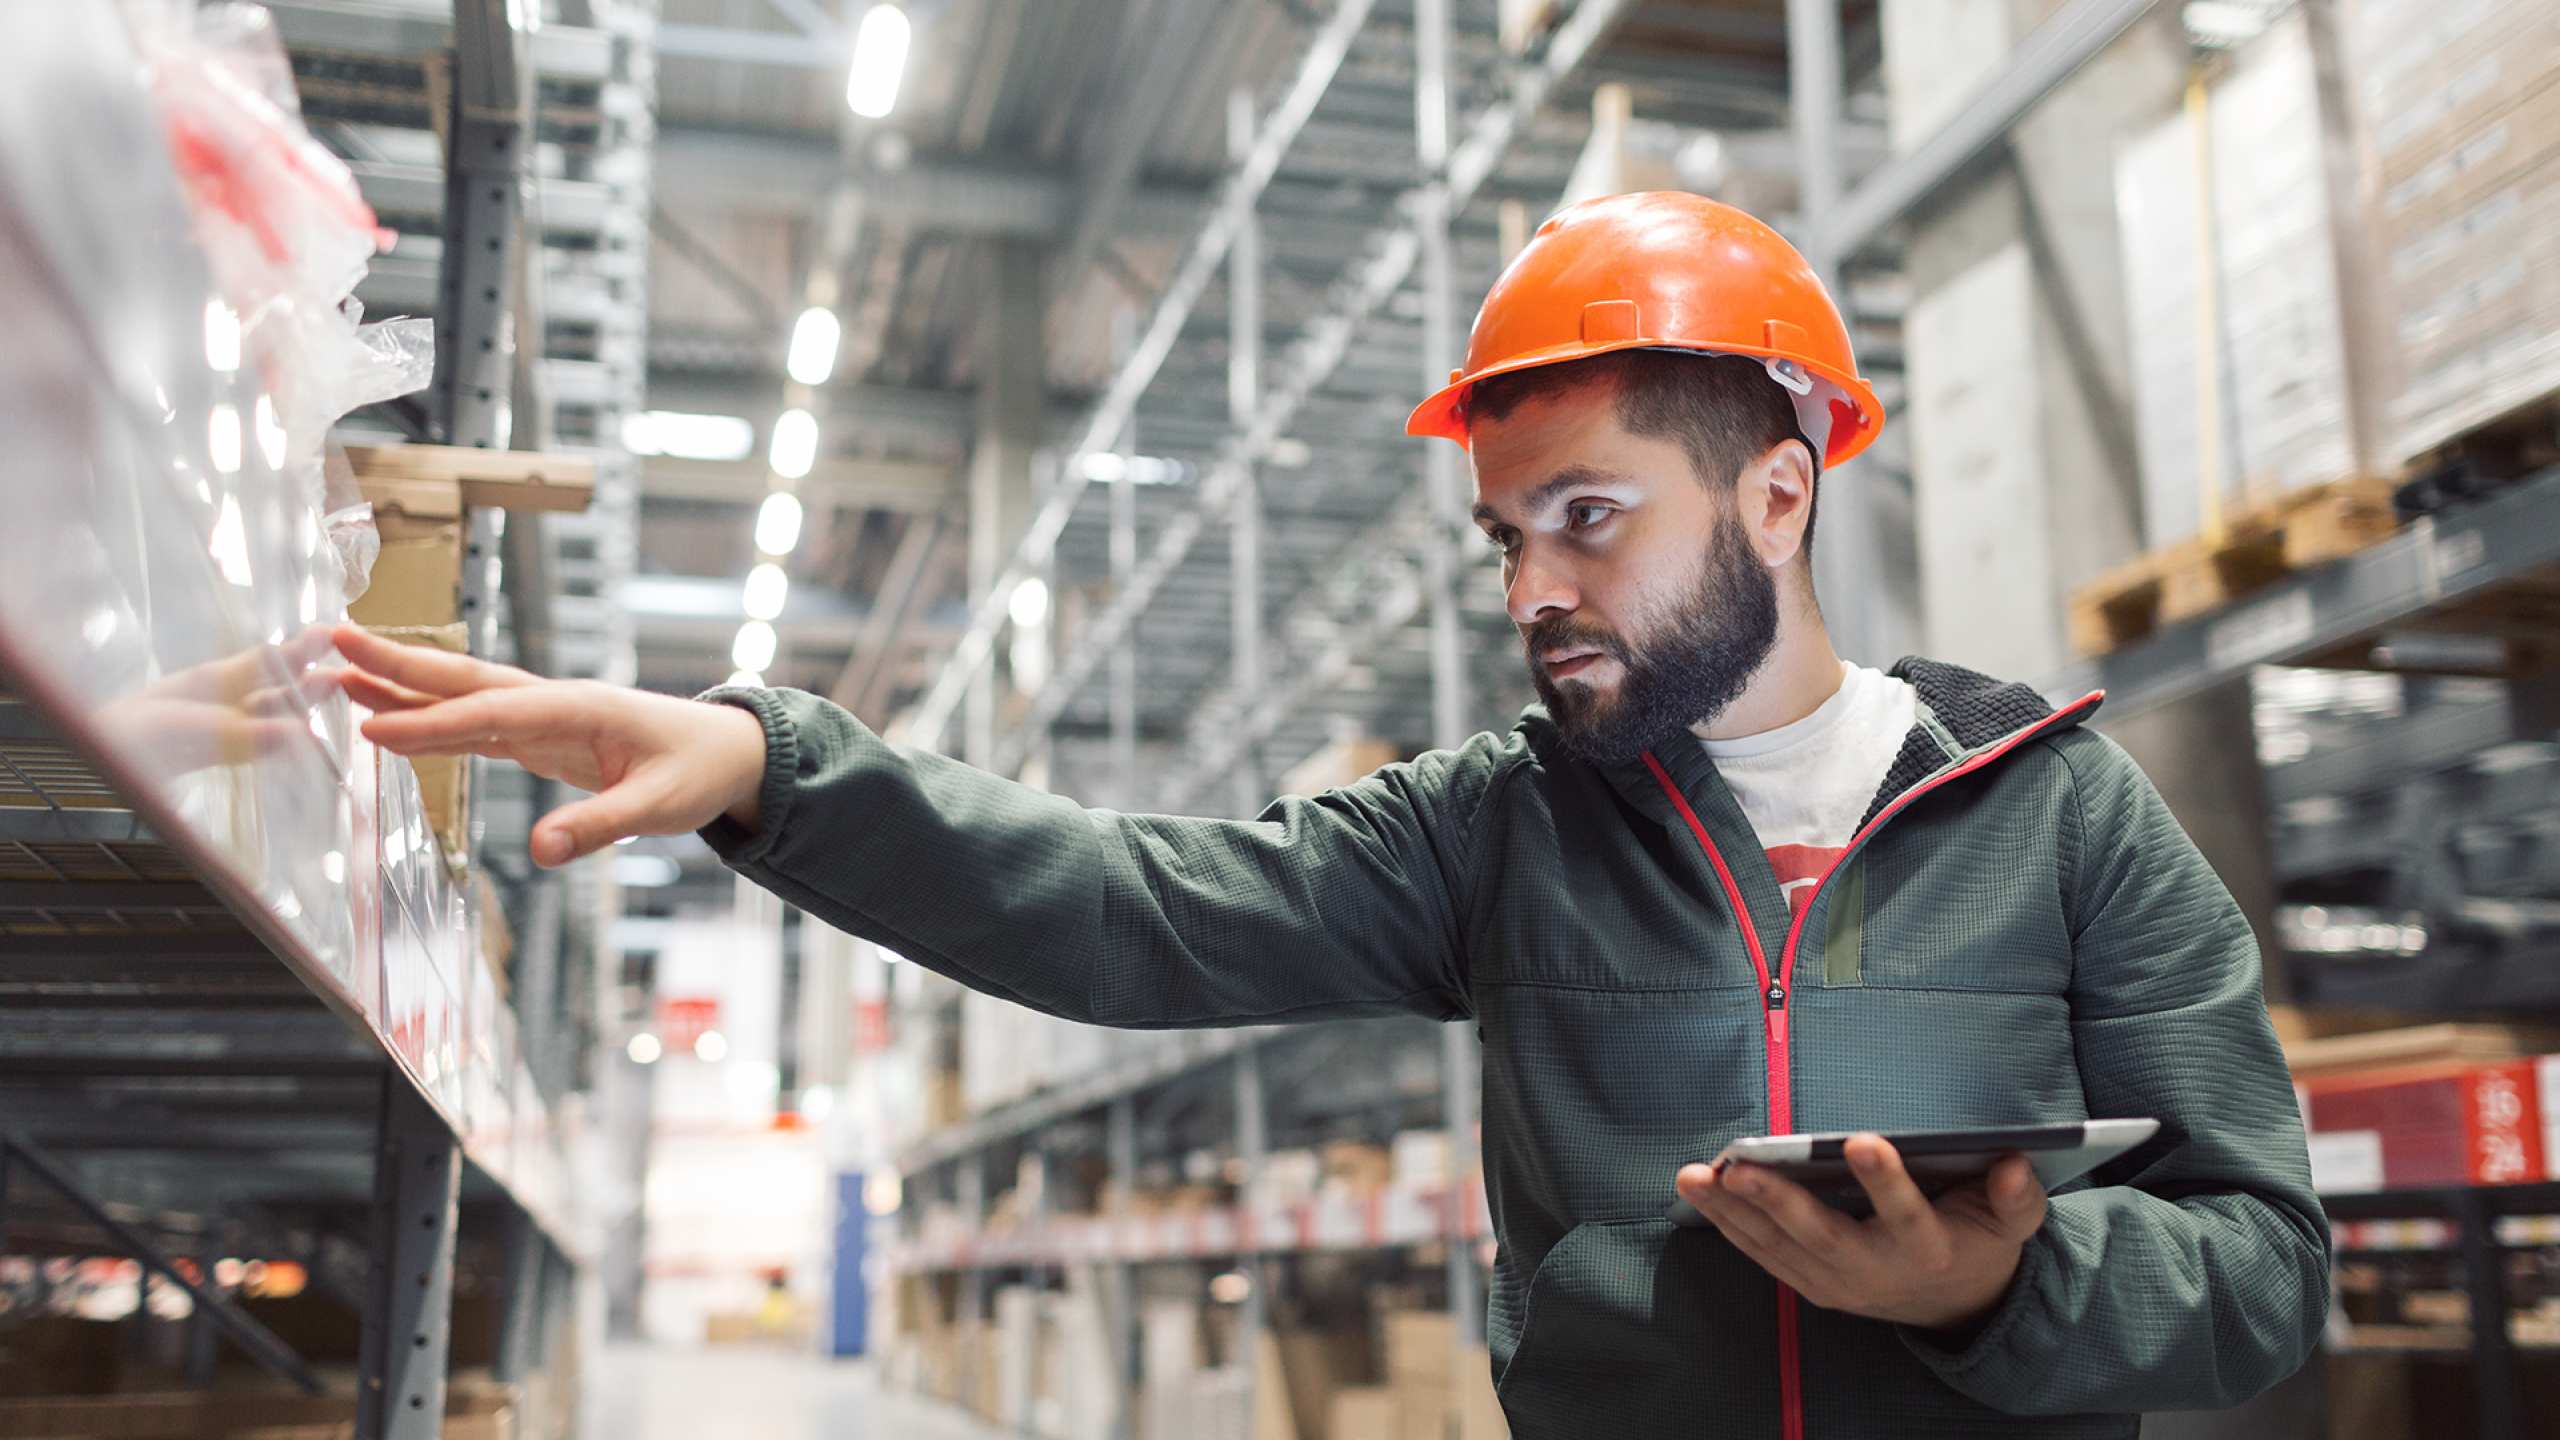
(2344, 252)
(2459, 105)
(475, 1409)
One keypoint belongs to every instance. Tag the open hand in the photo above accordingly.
(1941, 1267)
(658, 765)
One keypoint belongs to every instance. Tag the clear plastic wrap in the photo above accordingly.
(288, 235)
(173, 534)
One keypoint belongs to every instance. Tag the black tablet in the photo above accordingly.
(1939, 1160)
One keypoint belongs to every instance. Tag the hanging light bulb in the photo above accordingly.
(812, 357)
(767, 588)
(795, 444)
(778, 524)
(879, 58)
(753, 650)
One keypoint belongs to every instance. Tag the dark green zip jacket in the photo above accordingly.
(2020, 936)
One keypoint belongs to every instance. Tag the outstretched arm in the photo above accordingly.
(1344, 905)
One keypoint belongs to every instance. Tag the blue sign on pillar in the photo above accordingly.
(852, 1295)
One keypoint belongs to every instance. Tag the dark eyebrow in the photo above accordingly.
(1568, 478)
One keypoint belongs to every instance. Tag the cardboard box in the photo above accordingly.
(1364, 1412)
(1479, 1409)
(2457, 119)
(2363, 1054)
(1316, 1366)
(1336, 764)
(496, 479)
(1362, 1169)
(105, 1417)
(417, 579)
(2433, 1127)
(1274, 1407)
(1421, 1346)
(444, 781)
(2289, 405)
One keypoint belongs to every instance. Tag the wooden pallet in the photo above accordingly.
(2261, 544)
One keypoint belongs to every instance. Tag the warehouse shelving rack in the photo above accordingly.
(244, 1001)
(2479, 1225)
(2485, 569)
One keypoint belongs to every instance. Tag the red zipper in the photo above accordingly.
(1777, 997)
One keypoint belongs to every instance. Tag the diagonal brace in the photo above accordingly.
(245, 1331)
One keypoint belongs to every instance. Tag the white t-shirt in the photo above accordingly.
(1805, 786)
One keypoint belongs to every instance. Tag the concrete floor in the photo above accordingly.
(640, 1392)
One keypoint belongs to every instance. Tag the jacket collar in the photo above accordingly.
(1962, 714)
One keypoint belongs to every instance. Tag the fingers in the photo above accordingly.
(637, 806)
(485, 722)
(379, 695)
(2017, 1198)
(1762, 1215)
(1899, 1204)
(422, 668)
(1722, 1199)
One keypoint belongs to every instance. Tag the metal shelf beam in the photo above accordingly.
(2050, 54)
(2435, 565)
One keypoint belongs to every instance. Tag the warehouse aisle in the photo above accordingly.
(641, 1392)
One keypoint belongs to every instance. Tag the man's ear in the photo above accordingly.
(1774, 495)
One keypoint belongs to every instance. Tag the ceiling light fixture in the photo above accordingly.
(778, 523)
(1029, 603)
(1107, 466)
(767, 588)
(879, 58)
(688, 436)
(812, 357)
(753, 650)
(795, 444)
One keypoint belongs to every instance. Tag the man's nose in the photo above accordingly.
(1537, 589)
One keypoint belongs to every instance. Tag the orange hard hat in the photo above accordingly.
(1667, 271)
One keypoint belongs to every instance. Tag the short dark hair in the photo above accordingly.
(1723, 410)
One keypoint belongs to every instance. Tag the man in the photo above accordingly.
(1720, 884)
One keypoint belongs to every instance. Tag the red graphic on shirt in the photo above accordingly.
(1800, 868)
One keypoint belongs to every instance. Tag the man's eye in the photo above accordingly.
(1500, 539)
(1583, 517)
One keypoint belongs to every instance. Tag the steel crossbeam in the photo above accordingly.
(1323, 59)
(1319, 349)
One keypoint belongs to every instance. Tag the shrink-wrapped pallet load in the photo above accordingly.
(2457, 111)
(2240, 325)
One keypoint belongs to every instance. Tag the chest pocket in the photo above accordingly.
(1845, 932)
(1957, 902)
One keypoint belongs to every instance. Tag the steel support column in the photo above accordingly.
(1441, 476)
(1012, 407)
(484, 210)
(520, 1329)
(1844, 563)
(408, 1321)
(971, 1182)
(1244, 396)
(1252, 1143)
(1460, 1064)
(2497, 1374)
(1120, 1146)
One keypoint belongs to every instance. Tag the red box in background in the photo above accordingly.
(2438, 1126)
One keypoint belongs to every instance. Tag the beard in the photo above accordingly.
(1685, 673)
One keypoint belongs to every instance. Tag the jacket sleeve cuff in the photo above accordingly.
(734, 843)
(1954, 1366)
